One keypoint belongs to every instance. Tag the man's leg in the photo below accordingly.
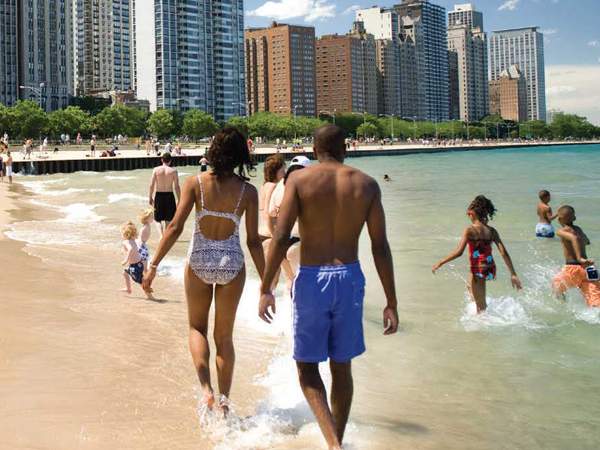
(342, 389)
(316, 396)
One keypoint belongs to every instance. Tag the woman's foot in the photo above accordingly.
(224, 405)
(208, 399)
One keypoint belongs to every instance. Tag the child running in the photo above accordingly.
(544, 228)
(146, 219)
(480, 237)
(579, 271)
(134, 267)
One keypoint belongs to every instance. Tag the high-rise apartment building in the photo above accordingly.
(469, 44)
(198, 55)
(9, 85)
(44, 50)
(280, 70)
(508, 95)
(523, 47)
(347, 72)
(453, 86)
(105, 54)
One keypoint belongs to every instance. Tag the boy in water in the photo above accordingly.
(544, 228)
(579, 271)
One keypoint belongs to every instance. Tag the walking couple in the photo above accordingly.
(331, 202)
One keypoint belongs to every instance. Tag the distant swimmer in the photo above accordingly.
(579, 271)
(479, 237)
(132, 263)
(544, 228)
(164, 181)
(332, 203)
(386, 177)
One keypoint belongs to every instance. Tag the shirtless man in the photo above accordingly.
(579, 271)
(161, 197)
(544, 228)
(332, 203)
(9, 168)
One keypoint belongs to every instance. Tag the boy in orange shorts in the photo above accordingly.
(579, 271)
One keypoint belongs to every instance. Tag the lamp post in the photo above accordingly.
(36, 90)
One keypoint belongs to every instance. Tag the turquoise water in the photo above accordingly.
(526, 374)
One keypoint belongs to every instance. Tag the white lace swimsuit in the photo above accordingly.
(216, 261)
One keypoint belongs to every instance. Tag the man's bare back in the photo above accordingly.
(165, 178)
(334, 201)
(544, 213)
(573, 238)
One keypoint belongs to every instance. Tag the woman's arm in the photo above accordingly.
(507, 260)
(252, 237)
(174, 230)
(455, 254)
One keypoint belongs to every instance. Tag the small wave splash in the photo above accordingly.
(50, 188)
(118, 177)
(501, 312)
(125, 196)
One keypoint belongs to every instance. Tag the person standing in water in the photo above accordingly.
(9, 167)
(544, 228)
(480, 237)
(164, 181)
(579, 271)
(216, 264)
(332, 203)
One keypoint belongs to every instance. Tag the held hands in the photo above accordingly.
(390, 320)
(516, 282)
(267, 300)
(149, 276)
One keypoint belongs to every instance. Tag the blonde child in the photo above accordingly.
(132, 263)
(146, 218)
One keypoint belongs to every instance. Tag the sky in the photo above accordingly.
(571, 36)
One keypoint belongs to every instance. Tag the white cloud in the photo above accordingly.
(511, 5)
(574, 89)
(352, 9)
(309, 10)
(593, 43)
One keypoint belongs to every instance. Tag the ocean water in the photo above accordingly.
(525, 374)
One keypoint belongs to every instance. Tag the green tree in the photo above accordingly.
(7, 120)
(71, 120)
(241, 123)
(29, 119)
(198, 124)
(367, 129)
(534, 129)
(162, 123)
(120, 119)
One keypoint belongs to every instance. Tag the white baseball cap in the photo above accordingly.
(300, 161)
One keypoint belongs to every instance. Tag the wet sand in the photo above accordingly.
(82, 366)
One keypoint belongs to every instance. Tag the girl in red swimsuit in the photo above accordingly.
(479, 237)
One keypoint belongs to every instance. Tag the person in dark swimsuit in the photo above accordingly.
(479, 237)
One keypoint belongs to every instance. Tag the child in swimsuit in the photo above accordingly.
(544, 228)
(479, 237)
(579, 271)
(132, 263)
(146, 218)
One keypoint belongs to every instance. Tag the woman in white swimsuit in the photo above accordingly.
(216, 260)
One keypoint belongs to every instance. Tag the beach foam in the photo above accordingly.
(125, 196)
(118, 177)
(502, 312)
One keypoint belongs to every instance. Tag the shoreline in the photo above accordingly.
(69, 161)
(83, 367)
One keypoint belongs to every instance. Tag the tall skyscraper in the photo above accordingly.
(523, 47)
(45, 70)
(347, 72)
(105, 54)
(280, 69)
(198, 48)
(424, 23)
(468, 42)
(9, 86)
(508, 95)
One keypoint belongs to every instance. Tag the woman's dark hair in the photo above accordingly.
(483, 208)
(273, 164)
(290, 170)
(229, 151)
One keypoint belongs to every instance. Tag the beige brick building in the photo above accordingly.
(508, 95)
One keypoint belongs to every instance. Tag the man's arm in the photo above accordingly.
(288, 214)
(382, 255)
(177, 188)
(574, 240)
(151, 189)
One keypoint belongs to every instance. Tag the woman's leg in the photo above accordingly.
(478, 292)
(199, 298)
(227, 298)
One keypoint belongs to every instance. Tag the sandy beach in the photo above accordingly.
(85, 367)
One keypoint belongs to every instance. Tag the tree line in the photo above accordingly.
(27, 120)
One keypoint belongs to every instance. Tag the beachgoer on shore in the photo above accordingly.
(132, 262)
(216, 265)
(9, 167)
(164, 185)
(544, 228)
(332, 202)
(93, 146)
(579, 271)
(479, 237)
(203, 164)
(146, 219)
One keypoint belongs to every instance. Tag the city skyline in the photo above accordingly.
(571, 37)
